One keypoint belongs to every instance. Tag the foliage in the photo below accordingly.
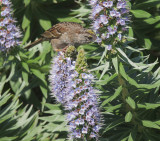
(146, 23)
(16, 125)
(130, 97)
(127, 79)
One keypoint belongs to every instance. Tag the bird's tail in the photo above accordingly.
(34, 43)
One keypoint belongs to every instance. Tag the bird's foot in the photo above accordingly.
(61, 50)
(64, 49)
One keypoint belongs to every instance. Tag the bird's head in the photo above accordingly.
(90, 35)
(85, 37)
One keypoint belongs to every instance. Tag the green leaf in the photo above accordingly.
(43, 19)
(122, 71)
(131, 32)
(26, 2)
(115, 63)
(125, 58)
(150, 124)
(152, 20)
(113, 124)
(25, 76)
(98, 68)
(22, 55)
(115, 95)
(131, 102)
(140, 14)
(157, 122)
(7, 138)
(110, 109)
(105, 69)
(133, 135)
(147, 86)
(26, 35)
(104, 82)
(157, 26)
(146, 4)
(52, 106)
(103, 55)
(17, 84)
(8, 111)
(56, 112)
(133, 82)
(69, 19)
(139, 66)
(53, 118)
(25, 66)
(128, 117)
(130, 138)
(26, 22)
(39, 75)
(148, 43)
(44, 90)
(60, 139)
(149, 105)
(12, 72)
(46, 24)
(2, 82)
(31, 135)
(4, 98)
(57, 127)
(24, 72)
(82, 11)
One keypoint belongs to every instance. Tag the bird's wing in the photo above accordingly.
(57, 30)
(54, 32)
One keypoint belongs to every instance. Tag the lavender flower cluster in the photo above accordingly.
(9, 33)
(110, 18)
(78, 97)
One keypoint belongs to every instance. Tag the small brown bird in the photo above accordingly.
(66, 34)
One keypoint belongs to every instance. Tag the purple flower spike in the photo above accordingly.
(120, 5)
(97, 9)
(93, 2)
(75, 93)
(113, 13)
(108, 4)
(109, 47)
(9, 33)
(96, 24)
(103, 19)
(110, 18)
(99, 40)
(120, 36)
(63, 73)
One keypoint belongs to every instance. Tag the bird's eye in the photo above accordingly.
(90, 38)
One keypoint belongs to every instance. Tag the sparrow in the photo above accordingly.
(66, 34)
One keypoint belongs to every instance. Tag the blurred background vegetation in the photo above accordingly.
(28, 112)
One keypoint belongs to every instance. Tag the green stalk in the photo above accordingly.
(125, 94)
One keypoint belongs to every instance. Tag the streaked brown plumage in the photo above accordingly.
(66, 34)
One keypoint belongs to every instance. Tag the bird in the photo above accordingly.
(65, 34)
